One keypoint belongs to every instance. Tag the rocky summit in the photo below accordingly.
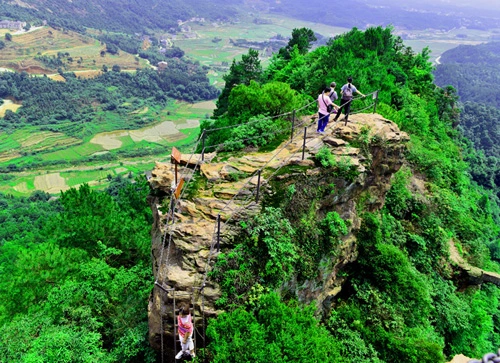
(183, 241)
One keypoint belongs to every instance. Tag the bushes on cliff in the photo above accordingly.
(78, 276)
(272, 331)
(265, 254)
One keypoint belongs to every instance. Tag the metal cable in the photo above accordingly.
(282, 131)
(163, 240)
(363, 109)
(488, 358)
(170, 218)
(259, 120)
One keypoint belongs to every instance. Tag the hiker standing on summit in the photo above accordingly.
(347, 91)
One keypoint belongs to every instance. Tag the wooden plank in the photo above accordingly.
(176, 156)
(179, 188)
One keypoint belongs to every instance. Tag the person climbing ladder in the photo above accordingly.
(185, 330)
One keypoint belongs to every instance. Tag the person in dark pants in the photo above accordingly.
(333, 94)
(347, 91)
(325, 107)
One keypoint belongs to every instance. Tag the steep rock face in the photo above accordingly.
(182, 251)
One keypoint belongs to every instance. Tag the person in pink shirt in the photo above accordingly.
(325, 107)
(185, 330)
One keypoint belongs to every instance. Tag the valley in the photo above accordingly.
(85, 159)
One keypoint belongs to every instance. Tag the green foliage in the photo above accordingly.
(285, 332)
(78, 281)
(268, 238)
(240, 73)
(325, 157)
(342, 165)
(399, 200)
(332, 227)
(254, 116)
(301, 39)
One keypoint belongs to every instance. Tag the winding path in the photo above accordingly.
(476, 275)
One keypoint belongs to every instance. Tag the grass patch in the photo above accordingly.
(127, 142)
(66, 154)
(75, 178)
(87, 149)
(8, 142)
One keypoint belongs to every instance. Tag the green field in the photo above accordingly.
(66, 156)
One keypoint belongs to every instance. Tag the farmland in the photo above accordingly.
(84, 52)
(70, 161)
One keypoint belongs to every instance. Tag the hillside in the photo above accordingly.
(118, 16)
(362, 229)
(47, 50)
(474, 72)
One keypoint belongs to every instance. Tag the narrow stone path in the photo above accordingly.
(477, 275)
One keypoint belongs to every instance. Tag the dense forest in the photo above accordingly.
(474, 72)
(117, 16)
(76, 270)
(76, 275)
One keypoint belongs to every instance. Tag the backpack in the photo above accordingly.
(347, 94)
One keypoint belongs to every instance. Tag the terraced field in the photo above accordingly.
(20, 53)
(176, 125)
(29, 140)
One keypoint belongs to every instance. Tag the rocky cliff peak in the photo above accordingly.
(227, 186)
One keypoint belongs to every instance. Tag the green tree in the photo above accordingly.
(112, 48)
(285, 332)
(242, 72)
(302, 39)
(8, 37)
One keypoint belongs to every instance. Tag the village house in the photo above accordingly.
(162, 66)
(9, 24)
